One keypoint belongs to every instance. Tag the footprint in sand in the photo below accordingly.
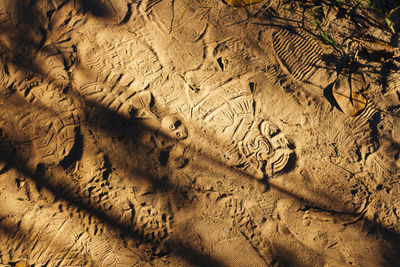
(338, 236)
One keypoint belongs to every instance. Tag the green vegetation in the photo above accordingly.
(315, 10)
(388, 18)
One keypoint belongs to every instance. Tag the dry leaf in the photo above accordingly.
(347, 93)
(21, 264)
(378, 49)
(376, 45)
(241, 3)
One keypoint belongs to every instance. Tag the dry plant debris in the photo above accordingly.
(347, 91)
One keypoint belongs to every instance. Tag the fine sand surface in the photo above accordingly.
(193, 133)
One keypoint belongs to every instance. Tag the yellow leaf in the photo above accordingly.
(241, 3)
(376, 45)
(21, 264)
(347, 93)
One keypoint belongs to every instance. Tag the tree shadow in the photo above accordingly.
(44, 177)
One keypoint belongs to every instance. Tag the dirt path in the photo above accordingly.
(167, 133)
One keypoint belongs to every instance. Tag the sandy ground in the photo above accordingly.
(174, 133)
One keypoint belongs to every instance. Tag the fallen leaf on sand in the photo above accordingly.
(241, 3)
(21, 264)
(347, 93)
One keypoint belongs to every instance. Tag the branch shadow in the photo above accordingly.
(44, 178)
